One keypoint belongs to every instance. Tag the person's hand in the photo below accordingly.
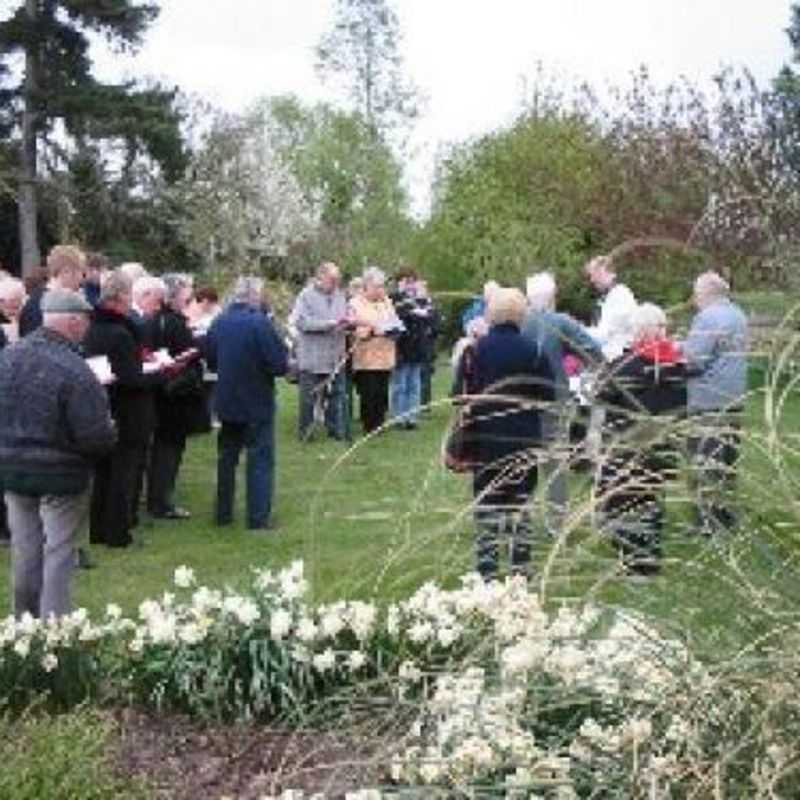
(174, 369)
(187, 355)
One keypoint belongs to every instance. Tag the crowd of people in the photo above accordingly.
(105, 373)
(522, 371)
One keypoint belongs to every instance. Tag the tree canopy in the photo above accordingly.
(57, 112)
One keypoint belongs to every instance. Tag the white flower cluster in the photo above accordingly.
(45, 641)
(296, 794)
(476, 723)
(485, 660)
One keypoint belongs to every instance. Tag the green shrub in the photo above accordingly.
(66, 757)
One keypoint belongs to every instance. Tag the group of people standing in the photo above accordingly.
(517, 380)
(382, 343)
(100, 385)
(105, 373)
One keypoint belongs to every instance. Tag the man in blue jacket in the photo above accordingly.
(246, 352)
(555, 334)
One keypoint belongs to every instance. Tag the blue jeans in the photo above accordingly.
(405, 392)
(259, 439)
(311, 384)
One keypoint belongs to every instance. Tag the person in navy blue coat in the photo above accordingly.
(247, 353)
(513, 384)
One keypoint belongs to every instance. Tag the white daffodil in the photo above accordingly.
(49, 662)
(324, 661)
(184, 577)
(280, 624)
(356, 660)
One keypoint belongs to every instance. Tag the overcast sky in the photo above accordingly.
(469, 57)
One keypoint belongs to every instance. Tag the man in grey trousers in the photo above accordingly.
(716, 359)
(54, 421)
(320, 319)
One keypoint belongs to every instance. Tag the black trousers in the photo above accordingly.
(373, 393)
(166, 454)
(4, 532)
(140, 469)
(501, 510)
(631, 496)
(110, 513)
(714, 455)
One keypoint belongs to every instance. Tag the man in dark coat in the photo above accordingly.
(113, 334)
(514, 383)
(54, 421)
(247, 354)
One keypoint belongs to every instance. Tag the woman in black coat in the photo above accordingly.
(113, 334)
(504, 426)
(643, 390)
(180, 412)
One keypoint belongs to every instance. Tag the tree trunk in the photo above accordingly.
(26, 200)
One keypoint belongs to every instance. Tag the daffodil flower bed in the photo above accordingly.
(482, 688)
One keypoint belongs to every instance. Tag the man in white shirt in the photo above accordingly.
(612, 327)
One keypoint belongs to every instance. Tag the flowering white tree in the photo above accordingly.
(240, 200)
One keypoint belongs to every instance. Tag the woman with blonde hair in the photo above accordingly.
(512, 382)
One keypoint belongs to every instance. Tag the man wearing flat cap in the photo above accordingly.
(54, 422)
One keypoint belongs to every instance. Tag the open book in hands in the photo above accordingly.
(390, 327)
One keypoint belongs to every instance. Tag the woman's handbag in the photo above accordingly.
(458, 450)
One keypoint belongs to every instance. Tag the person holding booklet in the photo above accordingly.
(374, 350)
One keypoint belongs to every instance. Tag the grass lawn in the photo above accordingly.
(378, 519)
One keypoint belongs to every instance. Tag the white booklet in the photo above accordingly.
(101, 367)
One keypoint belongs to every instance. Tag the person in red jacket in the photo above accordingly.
(642, 390)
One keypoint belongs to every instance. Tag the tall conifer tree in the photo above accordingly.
(56, 84)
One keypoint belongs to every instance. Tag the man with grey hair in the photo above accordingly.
(54, 422)
(149, 292)
(716, 356)
(320, 318)
(555, 335)
(246, 352)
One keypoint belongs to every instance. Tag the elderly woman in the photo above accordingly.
(504, 423)
(178, 413)
(12, 299)
(114, 334)
(643, 390)
(374, 352)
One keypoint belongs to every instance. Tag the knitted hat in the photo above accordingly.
(63, 301)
